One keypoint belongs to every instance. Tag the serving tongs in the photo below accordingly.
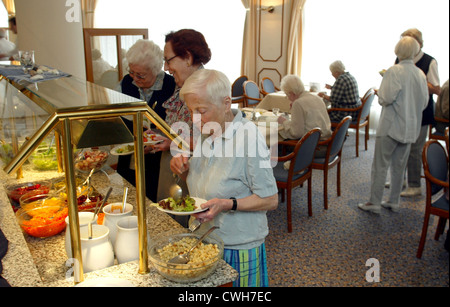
(87, 182)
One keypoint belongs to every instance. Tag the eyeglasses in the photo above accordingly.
(168, 61)
(136, 75)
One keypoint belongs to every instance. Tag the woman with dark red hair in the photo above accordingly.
(185, 52)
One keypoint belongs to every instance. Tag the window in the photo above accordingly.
(221, 22)
(363, 34)
(3, 17)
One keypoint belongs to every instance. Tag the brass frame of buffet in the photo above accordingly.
(85, 115)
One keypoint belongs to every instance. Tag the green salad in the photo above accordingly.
(185, 204)
(45, 159)
(125, 149)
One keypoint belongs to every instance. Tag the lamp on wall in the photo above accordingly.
(269, 9)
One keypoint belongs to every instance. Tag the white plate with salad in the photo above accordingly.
(185, 206)
(123, 150)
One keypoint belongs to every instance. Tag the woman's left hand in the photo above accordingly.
(215, 206)
(163, 146)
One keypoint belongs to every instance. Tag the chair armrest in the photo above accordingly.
(288, 142)
(324, 142)
(345, 109)
(284, 158)
(441, 120)
(289, 156)
(434, 180)
(251, 98)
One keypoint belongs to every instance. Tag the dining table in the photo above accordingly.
(267, 124)
(275, 100)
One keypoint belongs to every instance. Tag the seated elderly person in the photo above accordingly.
(146, 81)
(307, 111)
(344, 93)
(233, 175)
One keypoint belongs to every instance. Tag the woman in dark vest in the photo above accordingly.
(147, 81)
(429, 66)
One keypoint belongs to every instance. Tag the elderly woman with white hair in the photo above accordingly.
(7, 48)
(344, 93)
(234, 175)
(147, 81)
(403, 95)
(307, 111)
(430, 68)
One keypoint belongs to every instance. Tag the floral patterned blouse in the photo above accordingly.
(176, 110)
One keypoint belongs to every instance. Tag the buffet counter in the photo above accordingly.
(32, 262)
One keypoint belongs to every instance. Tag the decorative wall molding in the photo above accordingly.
(271, 32)
(271, 73)
(271, 55)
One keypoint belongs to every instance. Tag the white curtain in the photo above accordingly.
(10, 7)
(88, 10)
(294, 50)
(248, 65)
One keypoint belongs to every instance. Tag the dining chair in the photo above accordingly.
(109, 79)
(299, 170)
(434, 133)
(435, 165)
(333, 156)
(446, 139)
(237, 90)
(251, 94)
(362, 120)
(267, 86)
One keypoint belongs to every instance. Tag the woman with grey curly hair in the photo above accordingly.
(307, 111)
(146, 81)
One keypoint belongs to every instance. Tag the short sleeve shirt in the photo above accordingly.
(234, 165)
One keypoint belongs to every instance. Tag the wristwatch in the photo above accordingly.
(234, 208)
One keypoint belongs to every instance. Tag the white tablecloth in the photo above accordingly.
(267, 124)
(276, 100)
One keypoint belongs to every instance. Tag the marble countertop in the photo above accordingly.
(32, 262)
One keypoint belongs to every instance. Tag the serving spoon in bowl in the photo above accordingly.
(175, 191)
(184, 258)
(97, 210)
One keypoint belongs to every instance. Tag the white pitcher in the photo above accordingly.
(111, 218)
(83, 218)
(97, 253)
(126, 246)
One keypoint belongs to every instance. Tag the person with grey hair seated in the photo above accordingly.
(403, 95)
(99, 66)
(307, 111)
(147, 81)
(7, 48)
(234, 175)
(344, 93)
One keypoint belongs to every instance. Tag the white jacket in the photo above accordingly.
(403, 94)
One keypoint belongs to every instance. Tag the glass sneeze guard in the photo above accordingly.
(31, 111)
